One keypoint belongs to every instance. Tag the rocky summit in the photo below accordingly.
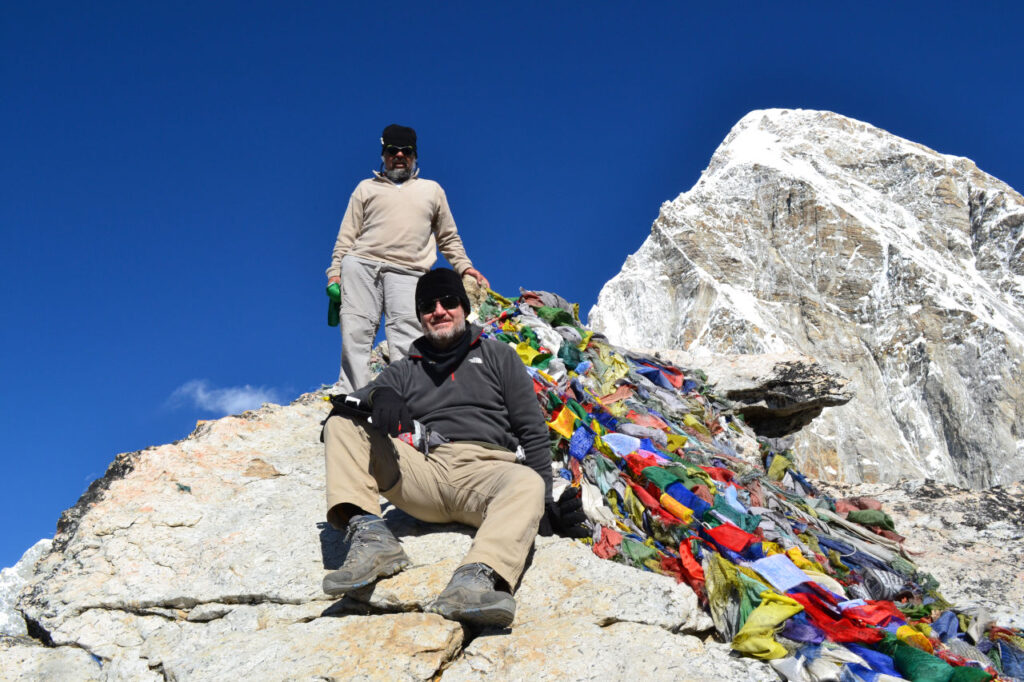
(203, 559)
(896, 266)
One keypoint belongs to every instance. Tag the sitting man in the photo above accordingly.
(477, 404)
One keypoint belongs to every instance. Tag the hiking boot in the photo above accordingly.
(373, 553)
(471, 598)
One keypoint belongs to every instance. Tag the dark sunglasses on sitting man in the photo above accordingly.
(449, 302)
(393, 150)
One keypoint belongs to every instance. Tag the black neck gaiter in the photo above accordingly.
(440, 363)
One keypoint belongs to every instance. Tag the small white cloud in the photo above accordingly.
(231, 400)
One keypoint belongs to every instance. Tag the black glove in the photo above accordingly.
(344, 406)
(565, 517)
(391, 416)
(352, 408)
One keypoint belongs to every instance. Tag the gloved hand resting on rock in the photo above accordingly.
(565, 516)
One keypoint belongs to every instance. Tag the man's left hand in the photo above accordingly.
(391, 416)
(565, 517)
(480, 279)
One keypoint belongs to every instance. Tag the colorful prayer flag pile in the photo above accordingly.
(674, 482)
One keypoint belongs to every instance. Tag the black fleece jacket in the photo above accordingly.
(488, 397)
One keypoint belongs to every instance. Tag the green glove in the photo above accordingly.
(333, 304)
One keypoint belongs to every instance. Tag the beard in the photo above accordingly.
(400, 174)
(444, 339)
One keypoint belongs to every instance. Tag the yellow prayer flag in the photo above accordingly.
(756, 637)
(675, 508)
(696, 424)
(565, 423)
(526, 353)
(778, 468)
(908, 635)
(676, 441)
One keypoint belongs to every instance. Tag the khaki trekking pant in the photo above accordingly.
(477, 484)
(369, 288)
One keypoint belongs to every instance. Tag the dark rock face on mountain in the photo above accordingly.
(777, 394)
(896, 266)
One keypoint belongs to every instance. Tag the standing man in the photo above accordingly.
(479, 408)
(393, 226)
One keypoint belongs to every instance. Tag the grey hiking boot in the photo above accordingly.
(373, 553)
(471, 598)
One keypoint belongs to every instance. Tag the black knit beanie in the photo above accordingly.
(438, 283)
(400, 136)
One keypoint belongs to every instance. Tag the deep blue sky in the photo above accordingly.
(172, 175)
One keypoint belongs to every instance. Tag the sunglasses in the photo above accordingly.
(393, 150)
(449, 302)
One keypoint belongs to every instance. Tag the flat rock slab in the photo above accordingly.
(567, 579)
(572, 649)
(30, 662)
(410, 646)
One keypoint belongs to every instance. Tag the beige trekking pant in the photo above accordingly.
(477, 484)
(369, 288)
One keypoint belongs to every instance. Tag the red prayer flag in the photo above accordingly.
(732, 537)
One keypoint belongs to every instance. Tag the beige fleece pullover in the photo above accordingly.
(400, 224)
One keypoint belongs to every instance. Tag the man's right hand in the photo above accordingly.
(334, 279)
(565, 516)
(391, 416)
